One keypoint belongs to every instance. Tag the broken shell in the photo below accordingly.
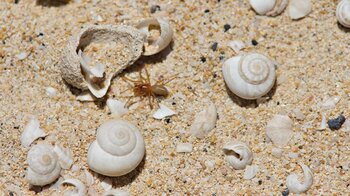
(116, 192)
(70, 64)
(279, 130)
(238, 154)
(116, 107)
(80, 187)
(249, 76)
(343, 13)
(64, 156)
(269, 7)
(236, 45)
(295, 186)
(204, 122)
(250, 172)
(31, 132)
(184, 147)
(118, 149)
(43, 165)
(163, 112)
(155, 44)
(299, 8)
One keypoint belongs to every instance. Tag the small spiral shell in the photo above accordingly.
(249, 76)
(343, 13)
(238, 154)
(118, 149)
(43, 165)
(269, 7)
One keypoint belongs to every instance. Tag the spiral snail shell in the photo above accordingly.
(343, 13)
(118, 149)
(238, 154)
(269, 7)
(249, 76)
(44, 167)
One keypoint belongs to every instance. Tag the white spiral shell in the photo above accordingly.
(166, 34)
(249, 76)
(269, 7)
(343, 13)
(294, 184)
(118, 149)
(238, 154)
(43, 165)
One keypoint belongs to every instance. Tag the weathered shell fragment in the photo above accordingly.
(51, 92)
(236, 45)
(31, 132)
(250, 172)
(76, 74)
(86, 96)
(116, 107)
(89, 178)
(65, 157)
(294, 184)
(115, 192)
(184, 147)
(331, 103)
(163, 112)
(80, 187)
(238, 154)
(204, 122)
(155, 43)
(299, 8)
(279, 130)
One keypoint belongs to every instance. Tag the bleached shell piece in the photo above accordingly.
(331, 102)
(249, 76)
(70, 63)
(163, 112)
(118, 149)
(184, 147)
(152, 46)
(65, 156)
(107, 184)
(86, 96)
(80, 187)
(279, 130)
(294, 184)
(268, 7)
(323, 124)
(238, 154)
(204, 122)
(250, 172)
(115, 192)
(236, 45)
(96, 71)
(343, 13)
(43, 165)
(31, 132)
(89, 178)
(116, 107)
(299, 8)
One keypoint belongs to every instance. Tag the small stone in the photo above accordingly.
(277, 152)
(250, 172)
(22, 56)
(293, 155)
(51, 92)
(285, 192)
(154, 8)
(214, 47)
(210, 164)
(254, 42)
(184, 147)
(336, 123)
(227, 27)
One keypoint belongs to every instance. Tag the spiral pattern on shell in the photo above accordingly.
(43, 165)
(254, 68)
(343, 13)
(117, 139)
(238, 154)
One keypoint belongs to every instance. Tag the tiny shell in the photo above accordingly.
(250, 172)
(64, 156)
(279, 130)
(116, 192)
(163, 112)
(31, 132)
(155, 45)
(184, 147)
(86, 96)
(269, 7)
(299, 8)
(343, 13)
(204, 121)
(331, 103)
(116, 107)
(80, 187)
(238, 154)
(295, 186)
(323, 124)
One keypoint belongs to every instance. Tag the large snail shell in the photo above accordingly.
(343, 13)
(269, 7)
(43, 165)
(70, 64)
(238, 154)
(249, 76)
(118, 149)
(153, 46)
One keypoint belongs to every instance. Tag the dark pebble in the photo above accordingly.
(41, 34)
(206, 11)
(16, 1)
(336, 123)
(203, 59)
(227, 27)
(214, 47)
(154, 8)
(167, 120)
(260, 182)
(285, 192)
(254, 42)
